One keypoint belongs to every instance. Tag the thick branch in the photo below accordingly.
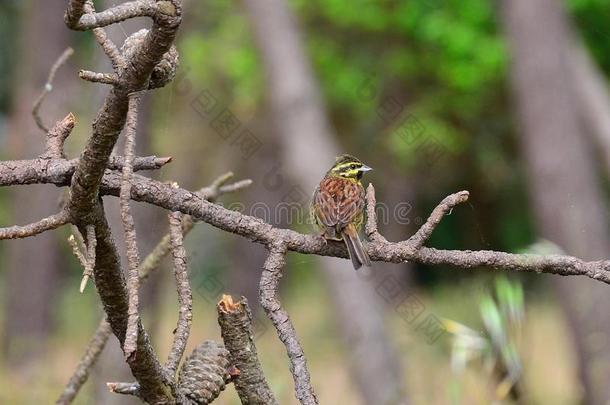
(110, 285)
(45, 224)
(111, 118)
(269, 283)
(185, 298)
(60, 171)
(235, 322)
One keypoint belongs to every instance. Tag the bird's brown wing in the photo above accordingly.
(338, 202)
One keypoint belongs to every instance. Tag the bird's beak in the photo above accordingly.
(365, 168)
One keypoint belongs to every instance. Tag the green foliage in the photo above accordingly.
(220, 55)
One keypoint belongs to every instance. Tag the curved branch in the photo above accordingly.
(425, 231)
(110, 49)
(76, 18)
(269, 283)
(48, 87)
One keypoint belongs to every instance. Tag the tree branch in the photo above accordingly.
(60, 171)
(425, 231)
(148, 265)
(185, 298)
(235, 320)
(56, 137)
(110, 285)
(110, 49)
(45, 224)
(48, 87)
(133, 255)
(268, 292)
(111, 118)
(164, 196)
(95, 77)
(76, 18)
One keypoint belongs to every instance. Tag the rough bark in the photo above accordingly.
(235, 320)
(564, 190)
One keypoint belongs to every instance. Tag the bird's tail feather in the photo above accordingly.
(354, 247)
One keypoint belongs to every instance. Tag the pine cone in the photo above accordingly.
(204, 374)
(164, 71)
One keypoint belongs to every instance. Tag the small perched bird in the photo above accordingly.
(338, 203)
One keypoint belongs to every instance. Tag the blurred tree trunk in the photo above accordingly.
(564, 190)
(33, 265)
(309, 148)
(591, 90)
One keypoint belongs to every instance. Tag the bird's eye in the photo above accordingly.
(352, 167)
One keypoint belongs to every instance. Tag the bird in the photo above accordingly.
(337, 206)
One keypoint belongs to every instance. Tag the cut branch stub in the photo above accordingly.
(235, 322)
(204, 374)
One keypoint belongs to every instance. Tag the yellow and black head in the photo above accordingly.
(349, 167)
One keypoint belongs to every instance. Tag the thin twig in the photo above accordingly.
(81, 374)
(133, 258)
(185, 298)
(48, 87)
(110, 49)
(269, 284)
(35, 228)
(445, 206)
(77, 251)
(90, 260)
(235, 320)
